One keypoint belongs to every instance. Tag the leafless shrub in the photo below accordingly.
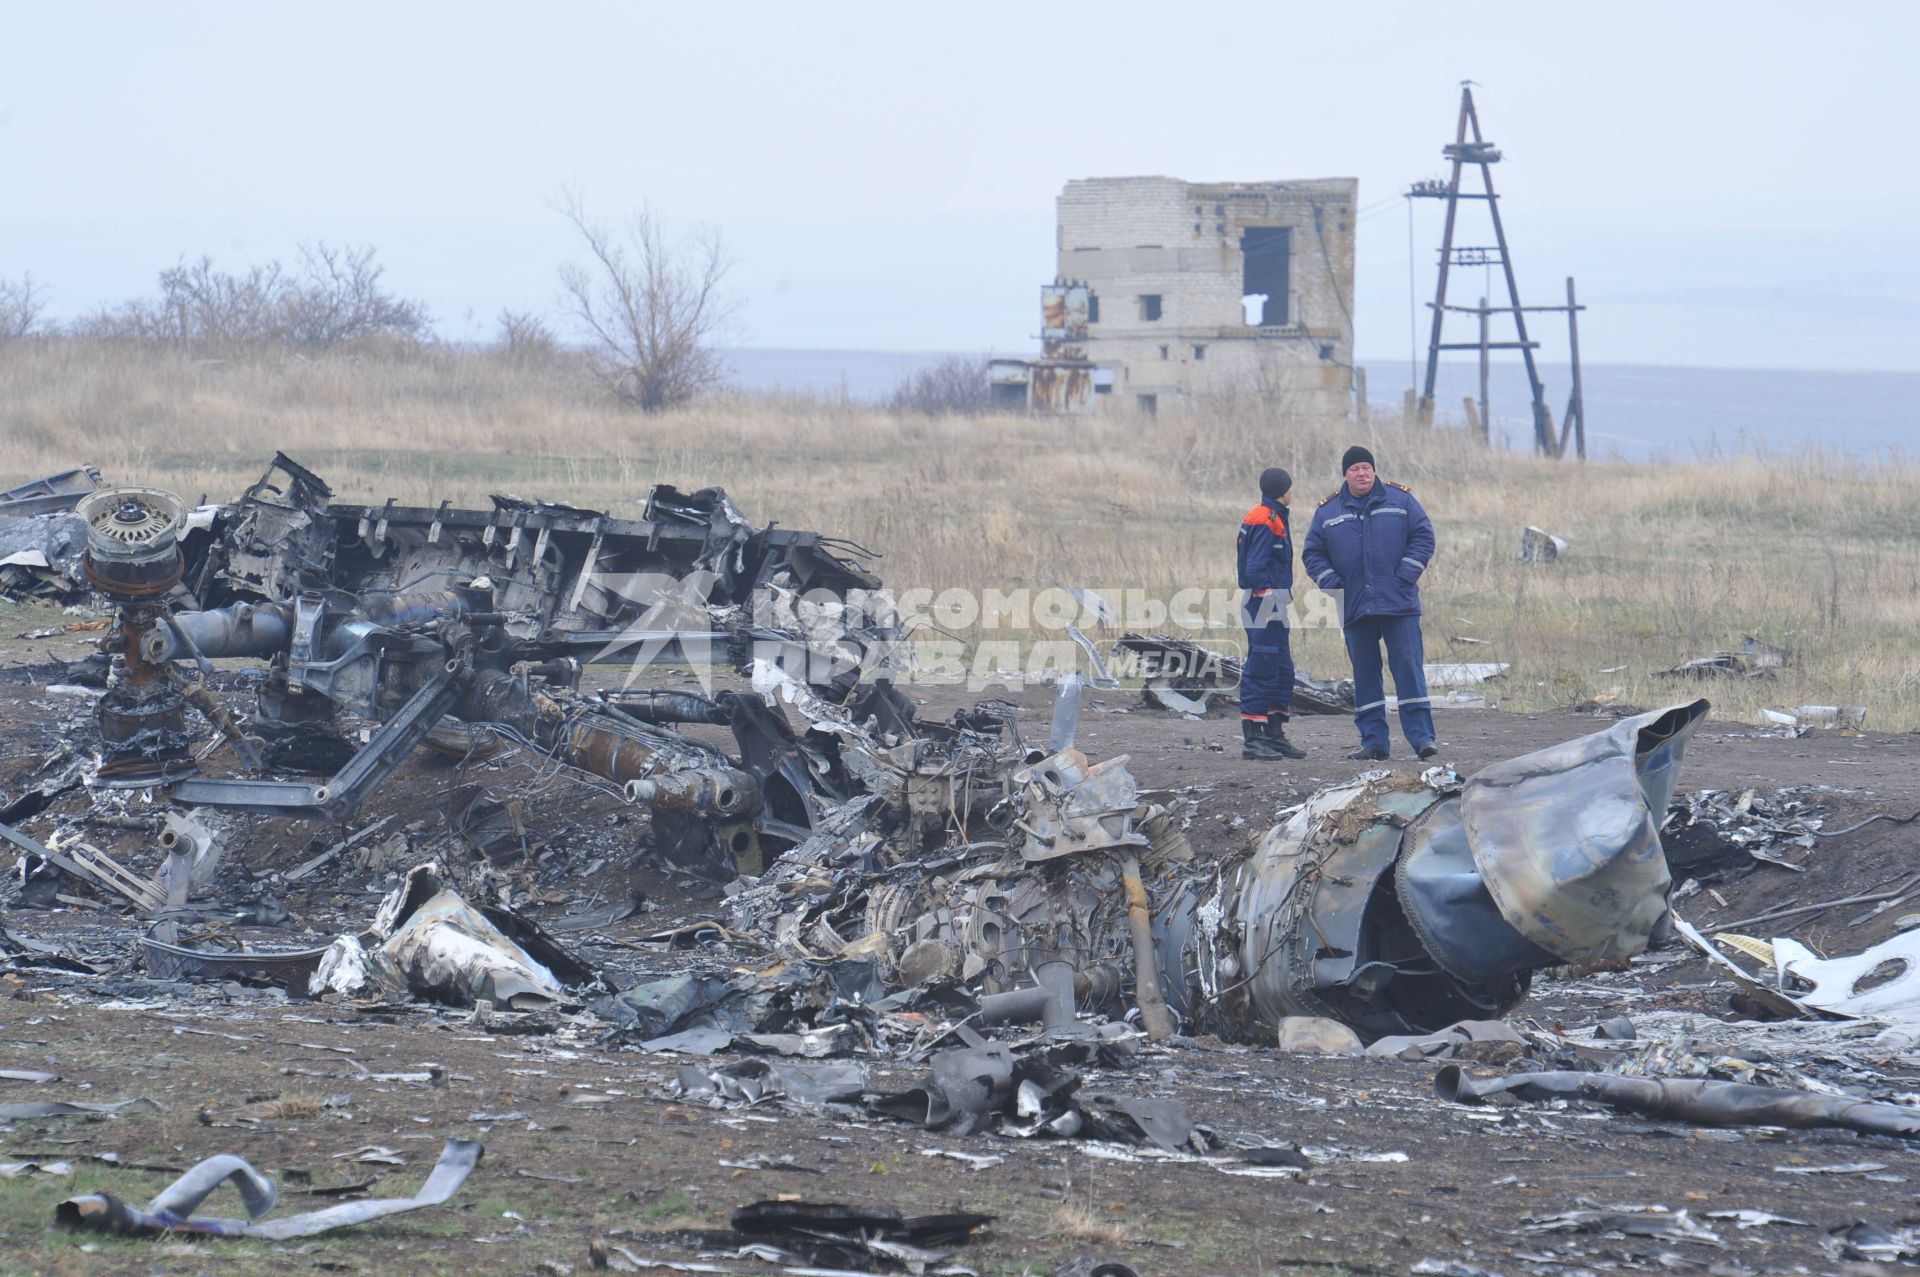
(524, 337)
(335, 298)
(954, 387)
(136, 321)
(207, 308)
(650, 307)
(338, 298)
(22, 302)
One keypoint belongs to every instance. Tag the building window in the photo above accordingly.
(1149, 404)
(1199, 353)
(1150, 307)
(1166, 352)
(1093, 308)
(1265, 274)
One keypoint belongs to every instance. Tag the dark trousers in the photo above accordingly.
(1401, 634)
(1266, 680)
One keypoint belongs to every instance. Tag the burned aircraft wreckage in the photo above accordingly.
(1394, 904)
(464, 629)
(938, 853)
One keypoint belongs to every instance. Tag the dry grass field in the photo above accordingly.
(1812, 551)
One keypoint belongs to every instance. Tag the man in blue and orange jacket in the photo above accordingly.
(1372, 541)
(1265, 556)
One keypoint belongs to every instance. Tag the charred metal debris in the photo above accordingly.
(467, 631)
(1393, 904)
(1181, 675)
(932, 855)
(46, 495)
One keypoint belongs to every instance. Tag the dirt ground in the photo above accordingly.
(586, 1144)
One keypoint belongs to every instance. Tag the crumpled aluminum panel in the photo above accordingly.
(1841, 987)
(1568, 837)
(1446, 902)
(446, 951)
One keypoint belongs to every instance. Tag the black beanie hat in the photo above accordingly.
(1275, 482)
(1352, 455)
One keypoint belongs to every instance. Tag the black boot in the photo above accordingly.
(1277, 737)
(1368, 754)
(1254, 742)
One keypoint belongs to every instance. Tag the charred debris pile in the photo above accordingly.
(889, 885)
(937, 852)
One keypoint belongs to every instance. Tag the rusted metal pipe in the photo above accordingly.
(648, 773)
(245, 629)
(1155, 1018)
(721, 791)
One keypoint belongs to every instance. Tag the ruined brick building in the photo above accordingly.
(1168, 290)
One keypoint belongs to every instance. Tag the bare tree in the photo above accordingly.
(650, 307)
(957, 386)
(22, 302)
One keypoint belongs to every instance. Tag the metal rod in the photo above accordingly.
(1502, 310)
(1577, 399)
(1776, 915)
(1446, 251)
(1155, 1016)
(1542, 441)
(1486, 410)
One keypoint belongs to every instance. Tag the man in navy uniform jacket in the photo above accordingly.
(1264, 554)
(1372, 540)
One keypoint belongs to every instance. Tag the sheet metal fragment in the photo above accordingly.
(172, 1210)
(1701, 1100)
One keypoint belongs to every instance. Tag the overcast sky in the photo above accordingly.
(1733, 184)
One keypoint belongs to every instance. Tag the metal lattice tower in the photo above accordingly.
(1471, 148)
